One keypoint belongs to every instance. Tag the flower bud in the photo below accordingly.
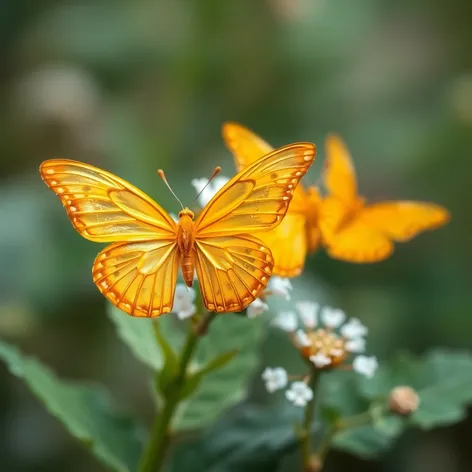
(403, 400)
(315, 464)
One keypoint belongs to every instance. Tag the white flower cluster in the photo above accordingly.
(326, 338)
(327, 319)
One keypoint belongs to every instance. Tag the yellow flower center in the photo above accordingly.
(328, 343)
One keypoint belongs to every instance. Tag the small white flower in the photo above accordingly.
(280, 287)
(355, 345)
(208, 190)
(320, 360)
(256, 308)
(365, 365)
(302, 339)
(299, 394)
(183, 302)
(353, 329)
(332, 317)
(308, 313)
(274, 379)
(286, 320)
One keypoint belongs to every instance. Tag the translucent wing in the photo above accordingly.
(339, 172)
(332, 214)
(358, 242)
(245, 145)
(232, 271)
(104, 208)
(313, 232)
(138, 277)
(288, 244)
(403, 220)
(257, 198)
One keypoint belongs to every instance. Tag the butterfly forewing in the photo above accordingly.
(339, 175)
(403, 220)
(102, 207)
(257, 198)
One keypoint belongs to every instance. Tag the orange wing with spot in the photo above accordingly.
(355, 232)
(138, 272)
(233, 267)
(296, 234)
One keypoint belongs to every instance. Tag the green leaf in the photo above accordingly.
(139, 335)
(170, 357)
(226, 386)
(444, 400)
(369, 441)
(218, 362)
(84, 411)
(246, 438)
(442, 379)
(193, 380)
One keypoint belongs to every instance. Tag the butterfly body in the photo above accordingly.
(138, 271)
(186, 245)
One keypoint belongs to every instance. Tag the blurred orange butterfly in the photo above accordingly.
(298, 233)
(356, 232)
(138, 272)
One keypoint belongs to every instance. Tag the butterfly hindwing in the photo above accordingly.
(288, 243)
(232, 271)
(358, 242)
(138, 277)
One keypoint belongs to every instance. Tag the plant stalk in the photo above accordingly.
(306, 436)
(153, 457)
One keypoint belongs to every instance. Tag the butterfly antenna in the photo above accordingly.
(215, 173)
(161, 174)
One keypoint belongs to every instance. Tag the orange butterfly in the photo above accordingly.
(138, 272)
(356, 232)
(298, 233)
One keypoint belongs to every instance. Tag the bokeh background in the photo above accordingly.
(134, 85)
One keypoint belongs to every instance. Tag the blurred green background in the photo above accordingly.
(131, 86)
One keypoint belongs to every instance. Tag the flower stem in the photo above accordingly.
(306, 434)
(152, 458)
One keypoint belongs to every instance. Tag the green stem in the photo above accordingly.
(306, 436)
(152, 458)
